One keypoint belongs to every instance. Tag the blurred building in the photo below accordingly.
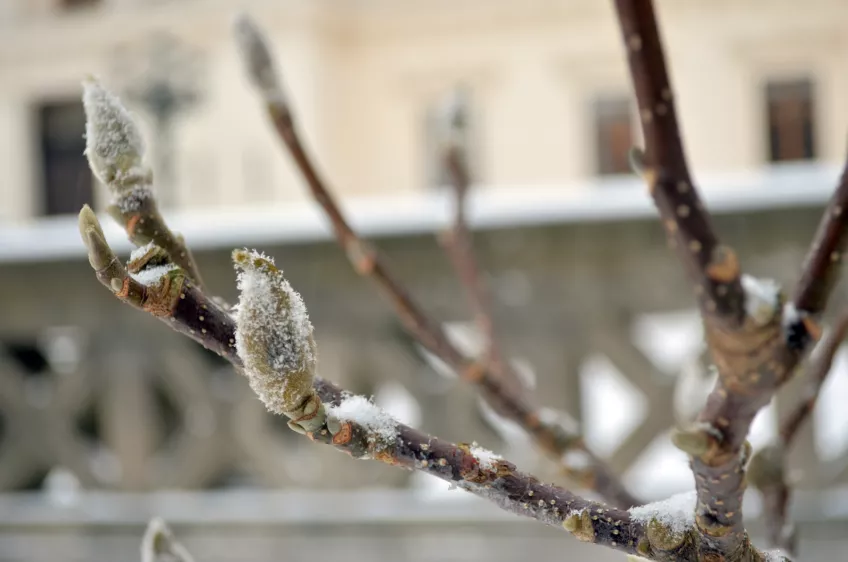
(587, 298)
(550, 97)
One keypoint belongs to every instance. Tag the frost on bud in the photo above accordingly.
(114, 146)
(274, 340)
(256, 54)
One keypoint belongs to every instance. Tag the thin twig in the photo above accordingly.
(459, 247)
(550, 436)
(767, 472)
(824, 258)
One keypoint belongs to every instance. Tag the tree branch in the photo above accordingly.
(824, 258)
(551, 437)
(751, 342)
(713, 268)
(360, 429)
(458, 245)
(767, 471)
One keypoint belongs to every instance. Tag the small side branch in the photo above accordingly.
(459, 246)
(767, 471)
(825, 256)
(713, 268)
(551, 437)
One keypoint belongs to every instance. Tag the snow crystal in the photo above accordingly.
(269, 306)
(130, 199)
(676, 512)
(576, 459)
(776, 555)
(113, 142)
(485, 457)
(151, 276)
(139, 252)
(360, 410)
(762, 297)
(791, 315)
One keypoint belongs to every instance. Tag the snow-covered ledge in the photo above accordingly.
(620, 198)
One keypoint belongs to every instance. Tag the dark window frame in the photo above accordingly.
(614, 133)
(65, 180)
(790, 114)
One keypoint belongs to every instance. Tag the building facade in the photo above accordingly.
(756, 82)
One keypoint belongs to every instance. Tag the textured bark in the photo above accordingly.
(711, 267)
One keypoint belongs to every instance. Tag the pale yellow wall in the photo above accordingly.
(361, 78)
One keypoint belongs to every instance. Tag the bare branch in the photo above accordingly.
(551, 437)
(748, 337)
(712, 267)
(363, 435)
(824, 258)
(767, 471)
(459, 246)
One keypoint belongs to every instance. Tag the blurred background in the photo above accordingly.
(108, 418)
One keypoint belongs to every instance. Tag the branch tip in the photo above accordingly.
(114, 145)
(100, 254)
(256, 54)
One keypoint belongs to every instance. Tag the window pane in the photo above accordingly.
(67, 181)
(790, 112)
(613, 134)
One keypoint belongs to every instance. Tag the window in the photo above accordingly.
(791, 130)
(435, 130)
(613, 120)
(67, 180)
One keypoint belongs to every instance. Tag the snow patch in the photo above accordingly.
(485, 457)
(141, 250)
(762, 298)
(153, 275)
(576, 459)
(361, 411)
(677, 512)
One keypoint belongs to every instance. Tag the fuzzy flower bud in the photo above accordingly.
(256, 54)
(274, 339)
(114, 145)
